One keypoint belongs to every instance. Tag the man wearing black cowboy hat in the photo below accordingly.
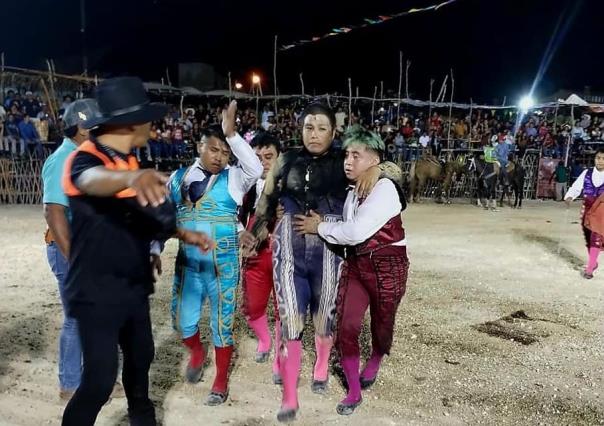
(117, 210)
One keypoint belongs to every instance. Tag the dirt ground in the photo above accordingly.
(497, 328)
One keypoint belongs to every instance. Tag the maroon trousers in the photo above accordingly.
(258, 285)
(377, 281)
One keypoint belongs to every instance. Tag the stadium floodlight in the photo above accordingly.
(526, 103)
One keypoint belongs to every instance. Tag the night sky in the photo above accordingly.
(495, 47)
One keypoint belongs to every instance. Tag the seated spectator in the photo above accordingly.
(30, 137)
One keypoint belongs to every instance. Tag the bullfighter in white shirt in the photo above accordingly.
(375, 269)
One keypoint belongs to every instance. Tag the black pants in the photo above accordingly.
(102, 328)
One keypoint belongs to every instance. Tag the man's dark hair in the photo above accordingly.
(70, 132)
(319, 108)
(266, 140)
(215, 131)
(599, 151)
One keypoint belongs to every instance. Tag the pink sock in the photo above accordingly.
(260, 327)
(372, 366)
(350, 365)
(594, 252)
(290, 370)
(323, 347)
(277, 345)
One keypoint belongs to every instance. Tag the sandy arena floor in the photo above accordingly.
(497, 328)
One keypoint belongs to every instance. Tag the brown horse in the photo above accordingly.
(430, 168)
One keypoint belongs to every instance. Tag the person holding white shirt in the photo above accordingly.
(591, 183)
(374, 274)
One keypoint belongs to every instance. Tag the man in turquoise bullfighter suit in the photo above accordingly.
(207, 195)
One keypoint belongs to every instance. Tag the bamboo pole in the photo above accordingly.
(51, 106)
(302, 83)
(349, 101)
(400, 83)
(407, 79)
(373, 105)
(230, 87)
(429, 106)
(275, 78)
(2, 76)
(450, 110)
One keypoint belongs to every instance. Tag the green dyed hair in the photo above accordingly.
(359, 135)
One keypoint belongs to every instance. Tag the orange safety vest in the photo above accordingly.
(110, 163)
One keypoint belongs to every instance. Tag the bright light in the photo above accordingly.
(255, 79)
(238, 86)
(526, 103)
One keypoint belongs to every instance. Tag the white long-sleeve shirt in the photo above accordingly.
(575, 190)
(241, 177)
(363, 221)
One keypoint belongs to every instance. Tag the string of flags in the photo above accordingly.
(366, 22)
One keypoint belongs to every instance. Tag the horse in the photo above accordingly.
(487, 175)
(453, 168)
(431, 168)
(516, 175)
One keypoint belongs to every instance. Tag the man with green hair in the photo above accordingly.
(374, 274)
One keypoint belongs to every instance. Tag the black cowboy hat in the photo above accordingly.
(123, 101)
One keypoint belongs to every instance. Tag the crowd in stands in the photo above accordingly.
(26, 126)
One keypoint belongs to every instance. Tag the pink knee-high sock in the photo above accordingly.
(260, 327)
(350, 365)
(372, 366)
(594, 252)
(290, 370)
(323, 347)
(277, 343)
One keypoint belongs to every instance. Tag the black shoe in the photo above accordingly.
(217, 398)
(587, 275)
(344, 409)
(319, 386)
(367, 383)
(193, 375)
(277, 380)
(286, 415)
(262, 357)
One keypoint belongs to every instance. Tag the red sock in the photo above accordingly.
(196, 349)
(223, 362)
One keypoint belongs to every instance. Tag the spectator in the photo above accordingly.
(29, 136)
(30, 106)
(561, 177)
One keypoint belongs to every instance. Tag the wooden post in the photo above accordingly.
(470, 126)
(230, 87)
(373, 104)
(52, 95)
(429, 106)
(49, 102)
(382, 90)
(349, 101)
(400, 83)
(168, 77)
(570, 135)
(275, 79)
(407, 79)
(2, 76)
(450, 110)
